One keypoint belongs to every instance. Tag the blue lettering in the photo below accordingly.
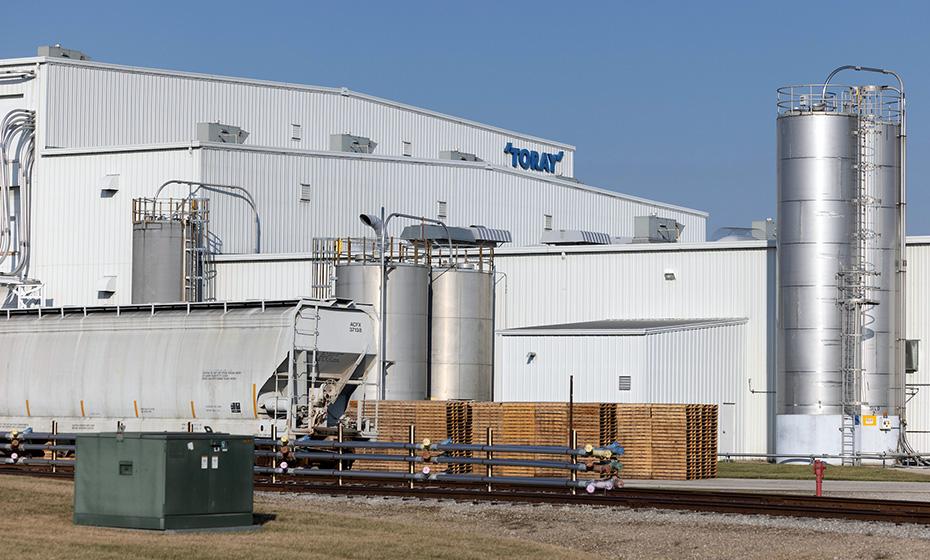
(513, 153)
(554, 159)
(534, 160)
(524, 158)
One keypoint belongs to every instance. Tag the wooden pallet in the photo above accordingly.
(662, 441)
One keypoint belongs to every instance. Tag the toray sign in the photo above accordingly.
(536, 161)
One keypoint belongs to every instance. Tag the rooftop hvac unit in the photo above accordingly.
(456, 155)
(56, 51)
(350, 143)
(219, 132)
(653, 229)
(763, 229)
(574, 237)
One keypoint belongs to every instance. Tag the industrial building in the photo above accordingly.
(537, 278)
(304, 162)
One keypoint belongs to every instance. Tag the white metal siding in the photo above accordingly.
(628, 283)
(93, 106)
(345, 186)
(272, 279)
(701, 365)
(918, 327)
(80, 236)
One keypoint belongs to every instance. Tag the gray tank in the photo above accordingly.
(407, 351)
(461, 357)
(157, 261)
(822, 148)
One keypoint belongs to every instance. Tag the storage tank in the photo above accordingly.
(407, 349)
(157, 261)
(462, 329)
(838, 169)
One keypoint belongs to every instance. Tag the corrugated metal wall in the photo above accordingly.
(341, 187)
(711, 281)
(918, 327)
(238, 280)
(702, 365)
(80, 235)
(94, 105)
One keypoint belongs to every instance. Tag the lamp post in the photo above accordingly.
(380, 224)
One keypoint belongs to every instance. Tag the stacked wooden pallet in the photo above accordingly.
(634, 433)
(663, 441)
(459, 430)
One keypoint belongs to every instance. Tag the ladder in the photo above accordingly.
(197, 264)
(855, 284)
(848, 434)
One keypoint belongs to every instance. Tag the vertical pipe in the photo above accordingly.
(411, 435)
(901, 275)
(55, 443)
(341, 439)
(573, 443)
(274, 449)
(383, 318)
(489, 469)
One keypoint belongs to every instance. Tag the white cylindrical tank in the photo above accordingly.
(407, 348)
(462, 330)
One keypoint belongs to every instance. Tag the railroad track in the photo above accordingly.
(890, 511)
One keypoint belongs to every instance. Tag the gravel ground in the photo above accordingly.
(626, 533)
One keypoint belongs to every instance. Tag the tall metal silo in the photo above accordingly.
(839, 387)
(407, 349)
(462, 330)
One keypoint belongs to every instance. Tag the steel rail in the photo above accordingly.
(779, 505)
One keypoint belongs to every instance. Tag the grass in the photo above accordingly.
(758, 469)
(38, 513)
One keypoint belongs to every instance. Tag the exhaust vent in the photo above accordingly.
(219, 132)
(456, 155)
(350, 143)
(574, 237)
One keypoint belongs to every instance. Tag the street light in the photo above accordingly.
(380, 224)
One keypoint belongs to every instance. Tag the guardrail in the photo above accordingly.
(307, 457)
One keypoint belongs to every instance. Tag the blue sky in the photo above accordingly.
(667, 100)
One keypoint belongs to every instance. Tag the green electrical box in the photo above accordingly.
(164, 480)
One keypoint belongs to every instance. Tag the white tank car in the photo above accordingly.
(243, 367)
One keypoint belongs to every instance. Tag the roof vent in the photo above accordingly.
(219, 132)
(56, 51)
(456, 155)
(350, 143)
(653, 229)
(574, 237)
(475, 236)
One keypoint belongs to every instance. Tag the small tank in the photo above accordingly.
(157, 261)
(462, 330)
(407, 348)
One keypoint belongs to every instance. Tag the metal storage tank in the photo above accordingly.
(157, 261)
(462, 330)
(407, 351)
(838, 183)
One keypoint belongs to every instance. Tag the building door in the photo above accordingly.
(726, 428)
